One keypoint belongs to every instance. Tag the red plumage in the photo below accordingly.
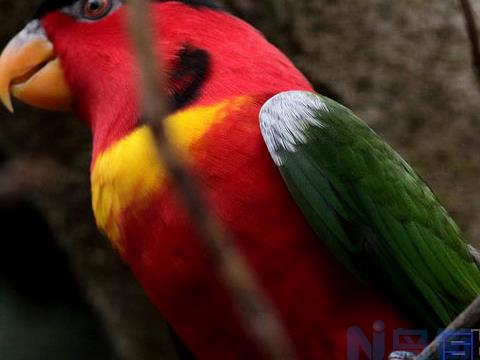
(243, 62)
(317, 299)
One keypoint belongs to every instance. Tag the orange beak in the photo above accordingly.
(31, 72)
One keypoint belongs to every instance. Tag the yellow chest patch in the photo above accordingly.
(130, 169)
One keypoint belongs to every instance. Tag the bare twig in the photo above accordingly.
(472, 31)
(253, 306)
(468, 319)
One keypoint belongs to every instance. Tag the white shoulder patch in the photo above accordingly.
(284, 119)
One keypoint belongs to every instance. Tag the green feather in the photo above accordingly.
(369, 206)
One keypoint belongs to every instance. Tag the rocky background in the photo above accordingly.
(403, 66)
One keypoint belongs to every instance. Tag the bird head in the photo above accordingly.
(77, 54)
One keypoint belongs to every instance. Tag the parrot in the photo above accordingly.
(340, 231)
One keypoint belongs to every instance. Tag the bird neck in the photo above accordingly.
(209, 56)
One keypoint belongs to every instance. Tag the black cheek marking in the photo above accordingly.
(188, 76)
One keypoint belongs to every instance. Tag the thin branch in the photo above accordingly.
(253, 306)
(472, 32)
(468, 319)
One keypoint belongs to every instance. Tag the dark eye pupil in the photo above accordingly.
(94, 5)
(96, 9)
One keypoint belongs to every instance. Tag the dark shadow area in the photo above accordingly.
(43, 314)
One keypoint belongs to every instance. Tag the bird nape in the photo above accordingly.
(341, 232)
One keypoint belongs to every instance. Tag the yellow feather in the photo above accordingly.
(130, 170)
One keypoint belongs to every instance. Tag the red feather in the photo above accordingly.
(318, 300)
(100, 67)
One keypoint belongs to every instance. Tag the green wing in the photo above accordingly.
(369, 206)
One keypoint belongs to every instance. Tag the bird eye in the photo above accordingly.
(96, 9)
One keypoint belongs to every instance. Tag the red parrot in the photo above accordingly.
(339, 229)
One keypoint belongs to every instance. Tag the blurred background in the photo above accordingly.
(403, 66)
